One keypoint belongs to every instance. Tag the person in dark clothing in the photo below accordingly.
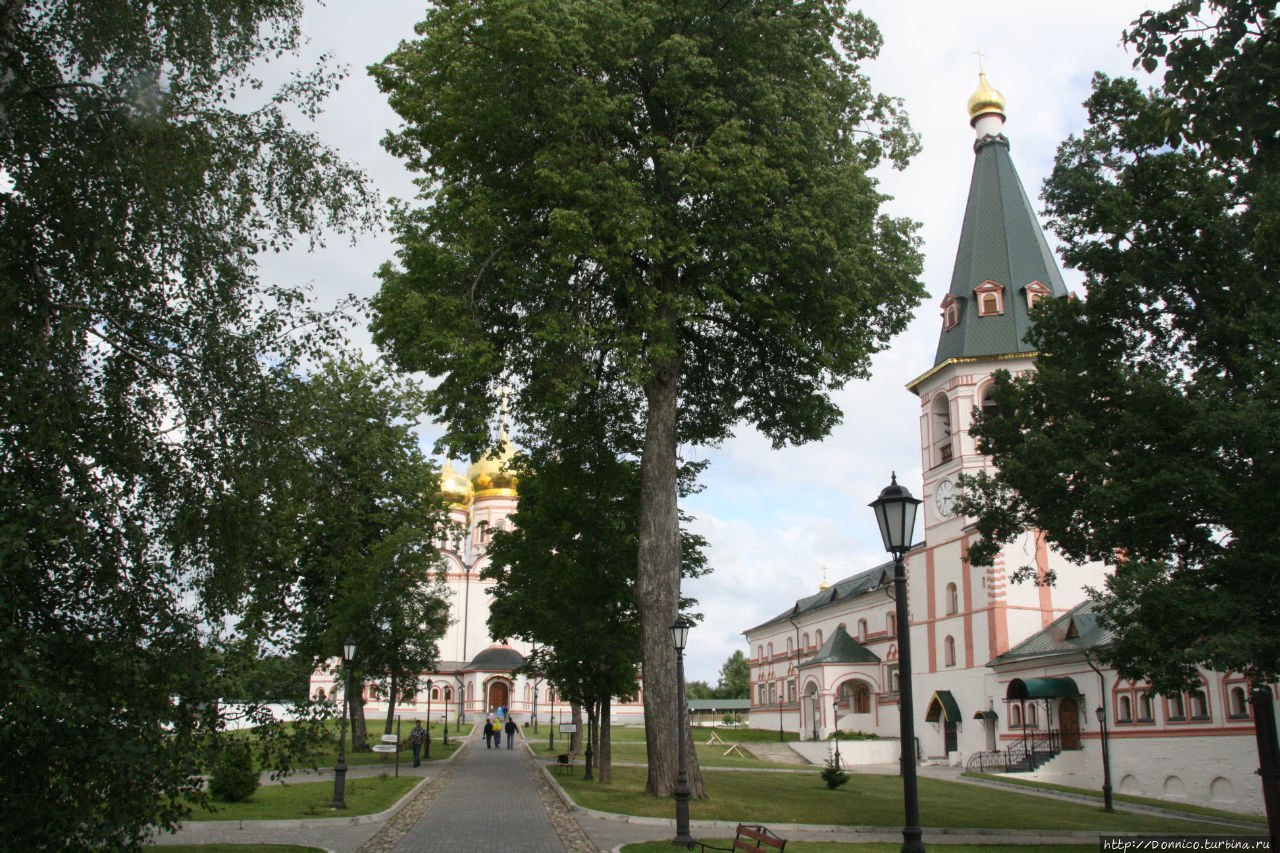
(417, 738)
(511, 732)
(488, 735)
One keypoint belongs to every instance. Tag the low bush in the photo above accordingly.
(234, 777)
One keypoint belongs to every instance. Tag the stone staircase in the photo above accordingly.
(780, 753)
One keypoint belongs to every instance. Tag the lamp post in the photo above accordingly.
(679, 636)
(1101, 710)
(445, 702)
(780, 738)
(535, 706)
(340, 769)
(835, 729)
(429, 683)
(551, 738)
(895, 510)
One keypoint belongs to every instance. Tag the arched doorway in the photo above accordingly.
(1069, 722)
(812, 707)
(499, 695)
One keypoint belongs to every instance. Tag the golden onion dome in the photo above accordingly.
(489, 474)
(455, 486)
(985, 100)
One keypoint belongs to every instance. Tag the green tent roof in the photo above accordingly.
(841, 648)
(1041, 688)
(942, 704)
(1001, 241)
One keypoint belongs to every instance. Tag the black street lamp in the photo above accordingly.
(535, 706)
(551, 738)
(896, 515)
(429, 683)
(340, 769)
(780, 738)
(1101, 711)
(835, 729)
(679, 636)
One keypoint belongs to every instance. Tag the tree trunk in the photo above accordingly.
(606, 745)
(359, 737)
(391, 705)
(575, 739)
(658, 581)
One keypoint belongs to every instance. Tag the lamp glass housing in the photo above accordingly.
(680, 633)
(896, 514)
(349, 650)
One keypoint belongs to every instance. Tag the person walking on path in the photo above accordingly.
(488, 734)
(417, 738)
(511, 732)
(497, 736)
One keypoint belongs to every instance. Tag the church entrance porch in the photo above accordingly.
(499, 695)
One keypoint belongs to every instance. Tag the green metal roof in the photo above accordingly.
(1041, 688)
(1001, 241)
(719, 704)
(858, 584)
(942, 704)
(1073, 632)
(841, 648)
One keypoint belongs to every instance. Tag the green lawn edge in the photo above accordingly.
(868, 800)
(312, 800)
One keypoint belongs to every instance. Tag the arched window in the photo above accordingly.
(862, 629)
(990, 298)
(791, 692)
(771, 651)
(789, 648)
(1015, 717)
(953, 599)
(448, 694)
(1033, 717)
(1144, 708)
(1239, 705)
(1124, 710)
(990, 304)
(1199, 704)
(892, 678)
(817, 636)
(804, 640)
(891, 623)
(1176, 709)
(986, 404)
(950, 311)
(942, 429)
(759, 652)
(949, 651)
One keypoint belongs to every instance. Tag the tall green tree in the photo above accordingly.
(735, 678)
(1147, 436)
(673, 199)
(137, 352)
(360, 554)
(566, 572)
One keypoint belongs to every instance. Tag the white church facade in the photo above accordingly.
(1005, 674)
(475, 675)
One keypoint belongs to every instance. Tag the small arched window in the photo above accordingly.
(759, 652)
(953, 599)
(1124, 710)
(1144, 708)
(817, 636)
(862, 629)
(891, 622)
(789, 647)
(804, 641)
(942, 429)
(1239, 706)
(949, 651)
(771, 651)
(1199, 704)
(1176, 709)
(990, 298)
(1033, 717)
(1015, 717)
(862, 699)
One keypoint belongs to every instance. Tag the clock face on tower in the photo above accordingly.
(944, 497)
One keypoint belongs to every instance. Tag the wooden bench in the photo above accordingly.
(565, 760)
(750, 838)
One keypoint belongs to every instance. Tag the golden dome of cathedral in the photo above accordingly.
(489, 474)
(985, 100)
(455, 487)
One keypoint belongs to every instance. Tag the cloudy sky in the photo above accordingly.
(775, 519)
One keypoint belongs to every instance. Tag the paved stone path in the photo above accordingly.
(489, 805)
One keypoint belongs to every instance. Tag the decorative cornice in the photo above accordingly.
(915, 383)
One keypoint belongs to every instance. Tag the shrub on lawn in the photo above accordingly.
(234, 776)
(833, 774)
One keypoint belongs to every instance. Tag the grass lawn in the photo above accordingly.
(235, 848)
(312, 799)
(708, 756)
(867, 800)
(840, 847)
(328, 756)
(1122, 798)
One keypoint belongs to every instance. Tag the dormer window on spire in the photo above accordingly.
(950, 311)
(1035, 292)
(990, 295)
